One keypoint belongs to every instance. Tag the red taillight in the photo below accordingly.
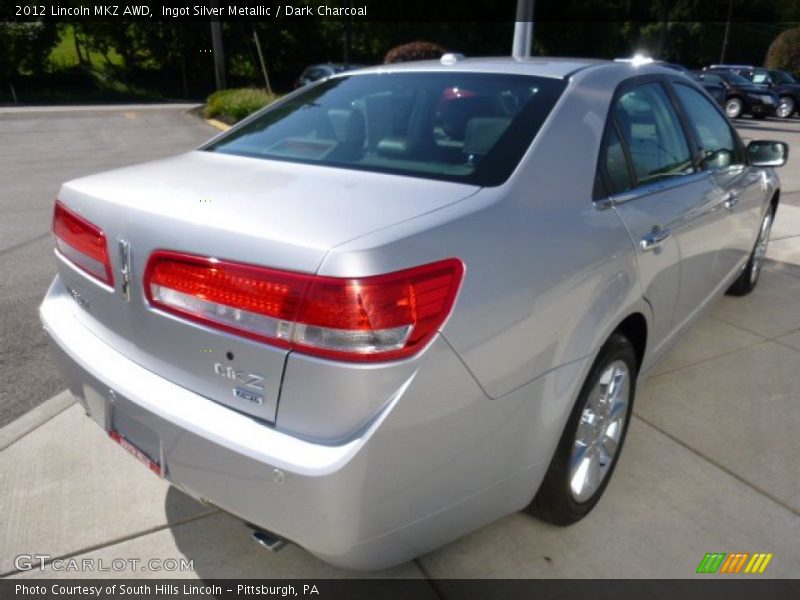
(367, 319)
(82, 243)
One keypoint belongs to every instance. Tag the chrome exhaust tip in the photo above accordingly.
(268, 540)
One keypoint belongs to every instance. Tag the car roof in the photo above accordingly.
(751, 67)
(541, 66)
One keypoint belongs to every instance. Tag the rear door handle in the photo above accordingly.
(731, 200)
(654, 238)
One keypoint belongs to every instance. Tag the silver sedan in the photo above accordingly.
(406, 301)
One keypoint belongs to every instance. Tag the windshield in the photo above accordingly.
(782, 77)
(760, 76)
(466, 127)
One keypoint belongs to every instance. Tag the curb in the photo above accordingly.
(34, 418)
(218, 124)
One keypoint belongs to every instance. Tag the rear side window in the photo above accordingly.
(718, 147)
(711, 78)
(617, 174)
(653, 134)
(466, 127)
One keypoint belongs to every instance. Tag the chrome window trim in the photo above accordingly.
(673, 182)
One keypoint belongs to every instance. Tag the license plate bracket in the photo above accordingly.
(138, 454)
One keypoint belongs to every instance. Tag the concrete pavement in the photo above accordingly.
(710, 466)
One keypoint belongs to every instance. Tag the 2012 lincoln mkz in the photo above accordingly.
(403, 302)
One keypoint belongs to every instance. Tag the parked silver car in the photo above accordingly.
(399, 304)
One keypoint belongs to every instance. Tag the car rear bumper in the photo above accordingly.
(439, 460)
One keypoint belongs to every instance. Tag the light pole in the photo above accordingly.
(523, 29)
(727, 33)
(219, 51)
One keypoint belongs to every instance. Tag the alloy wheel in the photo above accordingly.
(733, 108)
(785, 107)
(600, 431)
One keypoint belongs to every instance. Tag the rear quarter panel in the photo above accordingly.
(548, 275)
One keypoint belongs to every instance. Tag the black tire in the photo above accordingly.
(734, 107)
(748, 279)
(554, 502)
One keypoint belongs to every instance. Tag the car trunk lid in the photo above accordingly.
(280, 215)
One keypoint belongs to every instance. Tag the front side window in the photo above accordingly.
(653, 134)
(760, 76)
(465, 127)
(718, 147)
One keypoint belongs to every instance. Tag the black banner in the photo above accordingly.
(299, 11)
(394, 589)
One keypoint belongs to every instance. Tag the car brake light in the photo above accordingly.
(383, 317)
(82, 243)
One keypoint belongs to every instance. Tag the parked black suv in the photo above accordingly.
(741, 95)
(788, 89)
(781, 83)
(321, 71)
(715, 90)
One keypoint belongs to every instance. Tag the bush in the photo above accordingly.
(784, 51)
(234, 105)
(414, 51)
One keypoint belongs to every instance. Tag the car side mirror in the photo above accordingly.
(765, 153)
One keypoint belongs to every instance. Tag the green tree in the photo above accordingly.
(25, 47)
(784, 52)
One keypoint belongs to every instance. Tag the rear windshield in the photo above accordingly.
(466, 127)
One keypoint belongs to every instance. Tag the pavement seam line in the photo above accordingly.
(769, 338)
(716, 464)
(20, 245)
(120, 540)
(430, 579)
(784, 344)
(705, 360)
(45, 422)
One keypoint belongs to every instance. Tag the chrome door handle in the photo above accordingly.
(654, 238)
(731, 200)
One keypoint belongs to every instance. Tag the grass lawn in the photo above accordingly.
(64, 55)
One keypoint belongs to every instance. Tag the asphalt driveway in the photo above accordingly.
(710, 464)
(38, 152)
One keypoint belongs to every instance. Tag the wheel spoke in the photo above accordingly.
(593, 475)
(579, 455)
(580, 478)
(617, 410)
(610, 446)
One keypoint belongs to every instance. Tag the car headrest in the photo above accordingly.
(483, 132)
